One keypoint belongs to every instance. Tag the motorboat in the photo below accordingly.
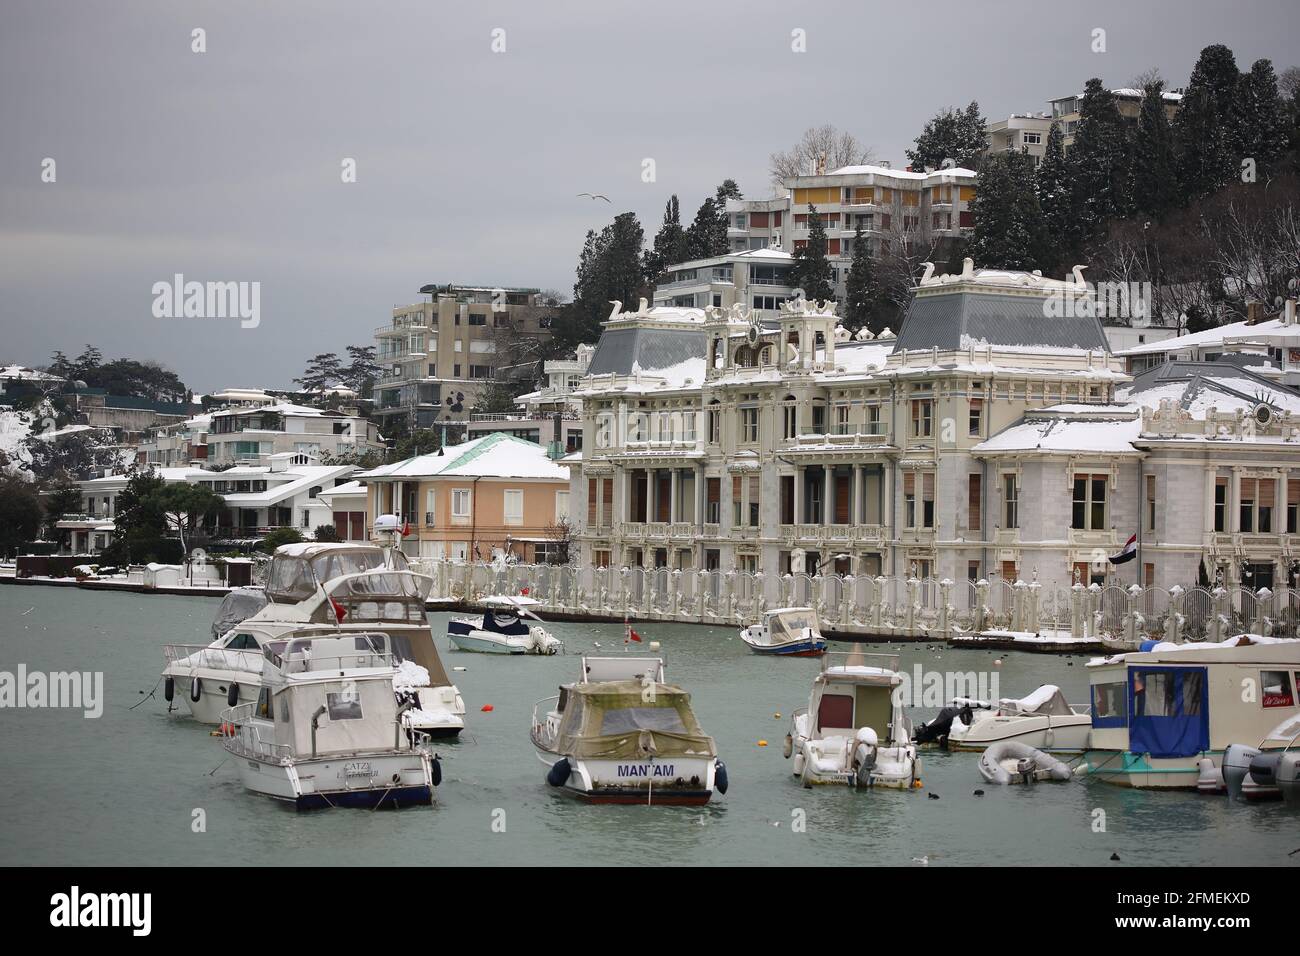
(1159, 713)
(348, 587)
(853, 730)
(622, 734)
(959, 714)
(1255, 773)
(1011, 761)
(226, 671)
(786, 632)
(1041, 720)
(326, 729)
(502, 629)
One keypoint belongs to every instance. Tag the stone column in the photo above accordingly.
(674, 476)
(798, 495)
(855, 507)
(828, 488)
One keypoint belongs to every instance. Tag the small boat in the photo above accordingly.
(1255, 773)
(959, 714)
(786, 632)
(501, 629)
(621, 734)
(326, 729)
(1042, 720)
(853, 731)
(1157, 714)
(1010, 761)
(1288, 777)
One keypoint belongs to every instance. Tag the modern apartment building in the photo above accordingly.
(438, 354)
(255, 434)
(551, 415)
(997, 435)
(492, 497)
(758, 279)
(1020, 131)
(1065, 109)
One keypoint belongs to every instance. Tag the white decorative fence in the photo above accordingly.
(879, 606)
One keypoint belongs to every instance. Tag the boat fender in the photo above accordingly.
(196, 689)
(787, 748)
(720, 776)
(436, 771)
(169, 689)
(232, 695)
(558, 775)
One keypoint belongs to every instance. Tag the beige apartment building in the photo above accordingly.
(438, 354)
(490, 498)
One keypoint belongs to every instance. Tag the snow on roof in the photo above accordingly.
(301, 478)
(858, 357)
(347, 488)
(25, 374)
(284, 408)
(899, 173)
(1208, 338)
(497, 455)
(1060, 434)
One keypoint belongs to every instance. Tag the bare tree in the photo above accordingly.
(1144, 79)
(1289, 82)
(822, 148)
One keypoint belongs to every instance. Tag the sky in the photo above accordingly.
(469, 144)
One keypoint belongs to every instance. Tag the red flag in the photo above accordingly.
(633, 635)
(339, 612)
(406, 529)
(523, 592)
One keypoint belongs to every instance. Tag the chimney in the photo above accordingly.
(1254, 312)
(1288, 314)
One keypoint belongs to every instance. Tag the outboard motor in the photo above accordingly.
(865, 752)
(1236, 764)
(1263, 769)
(938, 728)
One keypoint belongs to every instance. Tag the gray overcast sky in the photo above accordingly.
(226, 165)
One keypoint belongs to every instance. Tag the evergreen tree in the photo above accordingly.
(362, 370)
(1100, 160)
(20, 513)
(1260, 117)
(1008, 220)
(609, 269)
(87, 361)
(865, 304)
(956, 135)
(810, 270)
(1155, 171)
(669, 245)
(1052, 185)
(60, 365)
(1206, 136)
(707, 235)
(323, 370)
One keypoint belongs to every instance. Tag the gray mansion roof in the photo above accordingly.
(645, 348)
(955, 320)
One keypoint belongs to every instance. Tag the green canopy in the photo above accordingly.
(628, 720)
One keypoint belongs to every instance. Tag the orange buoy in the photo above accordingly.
(486, 708)
(762, 743)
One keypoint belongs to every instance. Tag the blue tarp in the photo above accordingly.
(1169, 711)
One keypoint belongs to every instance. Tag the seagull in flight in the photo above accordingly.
(594, 196)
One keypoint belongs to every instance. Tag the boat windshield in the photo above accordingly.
(335, 564)
(784, 624)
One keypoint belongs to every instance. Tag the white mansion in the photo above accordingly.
(995, 436)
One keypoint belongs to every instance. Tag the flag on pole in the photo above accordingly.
(523, 592)
(1126, 553)
(406, 529)
(339, 612)
(632, 635)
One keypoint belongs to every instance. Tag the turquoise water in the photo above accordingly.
(122, 789)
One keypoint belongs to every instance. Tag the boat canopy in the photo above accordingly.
(236, 607)
(614, 719)
(787, 623)
(1046, 700)
(296, 572)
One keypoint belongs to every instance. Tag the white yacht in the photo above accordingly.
(786, 632)
(346, 587)
(622, 734)
(1158, 715)
(502, 629)
(853, 731)
(327, 730)
(1041, 720)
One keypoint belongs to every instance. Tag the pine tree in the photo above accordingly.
(609, 269)
(810, 270)
(1260, 118)
(1206, 136)
(322, 371)
(1155, 171)
(950, 135)
(669, 246)
(362, 370)
(864, 300)
(1101, 160)
(1052, 182)
(1008, 220)
(707, 235)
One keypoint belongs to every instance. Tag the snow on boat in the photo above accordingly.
(1010, 761)
(621, 734)
(1042, 720)
(1157, 714)
(327, 730)
(786, 632)
(502, 630)
(853, 731)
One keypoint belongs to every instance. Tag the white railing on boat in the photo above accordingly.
(889, 662)
(244, 739)
(218, 658)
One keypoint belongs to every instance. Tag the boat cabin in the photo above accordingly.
(857, 690)
(364, 582)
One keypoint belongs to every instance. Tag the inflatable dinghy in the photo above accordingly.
(1288, 776)
(1009, 761)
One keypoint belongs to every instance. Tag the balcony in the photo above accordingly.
(833, 533)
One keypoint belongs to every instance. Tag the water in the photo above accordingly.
(122, 789)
